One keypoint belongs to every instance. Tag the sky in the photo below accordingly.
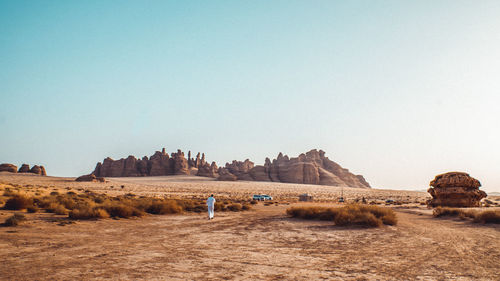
(398, 91)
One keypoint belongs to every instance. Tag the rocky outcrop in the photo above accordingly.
(25, 168)
(159, 164)
(206, 170)
(90, 178)
(39, 170)
(309, 168)
(455, 189)
(6, 167)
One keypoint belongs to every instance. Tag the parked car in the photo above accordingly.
(266, 197)
(257, 197)
(262, 197)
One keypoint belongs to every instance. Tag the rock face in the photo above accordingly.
(309, 168)
(455, 189)
(6, 167)
(159, 164)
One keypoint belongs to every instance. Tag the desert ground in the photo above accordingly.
(260, 244)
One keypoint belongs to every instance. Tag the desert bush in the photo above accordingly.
(14, 220)
(488, 217)
(352, 214)
(246, 207)
(88, 213)
(235, 207)
(164, 207)
(54, 193)
(220, 207)
(122, 211)
(18, 202)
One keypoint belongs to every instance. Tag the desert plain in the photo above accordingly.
(260, 244)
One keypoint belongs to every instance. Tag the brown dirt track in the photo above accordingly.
(261, 244)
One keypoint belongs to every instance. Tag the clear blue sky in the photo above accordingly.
(398, 91)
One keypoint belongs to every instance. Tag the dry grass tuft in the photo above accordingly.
(353, 214)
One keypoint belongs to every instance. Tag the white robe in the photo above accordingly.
(210, 204)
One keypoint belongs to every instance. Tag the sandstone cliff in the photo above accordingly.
(309, 168)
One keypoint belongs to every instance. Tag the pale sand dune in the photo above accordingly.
(261, 244)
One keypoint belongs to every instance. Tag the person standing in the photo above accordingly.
(210, 205)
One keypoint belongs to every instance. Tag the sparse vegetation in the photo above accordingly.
(90, 205)
(352, 214)
(489, 216)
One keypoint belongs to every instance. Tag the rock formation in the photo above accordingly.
(90, 178)
(6, 167)
(25, 168)
(159, 164)
(309, 168)
(455, 189)
(206, 170)
(39, 170)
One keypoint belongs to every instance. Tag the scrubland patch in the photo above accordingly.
(488, 216)
(90, 205)
(353, 214)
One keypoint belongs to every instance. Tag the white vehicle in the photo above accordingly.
(262, 197)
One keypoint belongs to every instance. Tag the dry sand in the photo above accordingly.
(261, 244)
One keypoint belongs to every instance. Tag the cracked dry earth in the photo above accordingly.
(259, 244)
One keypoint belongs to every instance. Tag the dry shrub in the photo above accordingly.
(220, 207)
(164, 207)
(18, 202)
(14, 220)
(32, 209)
(246, 207)
(86, 213)
(488, 217)
(235, 207)
(353, 214)
(122, 211)
(54, 193)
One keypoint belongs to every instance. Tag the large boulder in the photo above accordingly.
(90, 178)
(6, 167)
(455, 189)
(25, 168)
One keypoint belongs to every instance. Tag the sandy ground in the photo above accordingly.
(261, 244)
